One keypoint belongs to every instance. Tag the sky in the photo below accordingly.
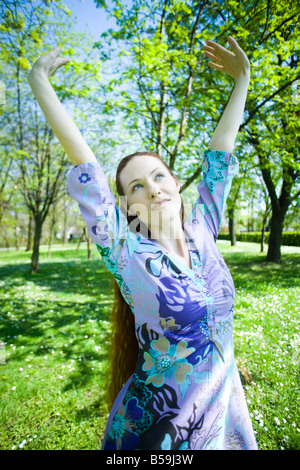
(95, 19)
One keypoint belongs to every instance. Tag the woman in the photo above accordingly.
(184, 390)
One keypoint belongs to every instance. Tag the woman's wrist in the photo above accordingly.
(37, 76)
(243, 77)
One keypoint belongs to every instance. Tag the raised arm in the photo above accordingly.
(236, 65)
(60, 122)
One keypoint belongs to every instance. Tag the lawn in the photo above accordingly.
(54, 336)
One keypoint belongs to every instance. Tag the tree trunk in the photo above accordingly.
(38, 224)
(274, 252)
(50, 239)
(162, 112)
(17, 236)
(264, 225)
(65, 222)
(262, 239)
(231, 227)
(89, 244)
(7, 244)
(81, 237)
(29, 234)
(51, 230)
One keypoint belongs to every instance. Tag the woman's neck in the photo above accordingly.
(171, 237)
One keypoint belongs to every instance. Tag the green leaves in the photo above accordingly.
(181, 100)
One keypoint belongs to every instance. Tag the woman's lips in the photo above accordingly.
(160, 204)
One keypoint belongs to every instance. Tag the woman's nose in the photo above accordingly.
(153, 192)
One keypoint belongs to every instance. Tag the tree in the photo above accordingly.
(27, 30)
(160, 57)
(272, 125)
(174, 102)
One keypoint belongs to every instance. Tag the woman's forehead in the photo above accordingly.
(139, 167)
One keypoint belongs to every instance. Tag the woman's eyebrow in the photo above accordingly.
(137, 179)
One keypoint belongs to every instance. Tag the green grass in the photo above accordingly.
(55, 326)
(267, 340)
(55, 329)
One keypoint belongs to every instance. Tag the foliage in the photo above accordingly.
(288, 238)
(31, 160)
(173, 102)
(156, 91)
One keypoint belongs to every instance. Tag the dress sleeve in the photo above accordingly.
(218, 170)
(105, 222)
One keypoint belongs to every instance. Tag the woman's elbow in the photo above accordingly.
(222, 145)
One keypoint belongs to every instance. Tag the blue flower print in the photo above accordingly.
(165, 360)
(121, 434)
(167, 443)
(213, 169)
(84, 178)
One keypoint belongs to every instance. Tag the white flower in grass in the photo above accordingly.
(277, 421)
(22, 444)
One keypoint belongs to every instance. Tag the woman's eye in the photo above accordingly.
(159, 176)
(135, 187)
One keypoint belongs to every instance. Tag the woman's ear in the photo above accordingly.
(177, 181)
(123, 204)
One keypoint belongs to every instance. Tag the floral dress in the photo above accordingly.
(185, 392)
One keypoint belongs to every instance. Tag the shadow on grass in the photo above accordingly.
(78, 277)
(253, 272)
(44, 313)
(42, 324)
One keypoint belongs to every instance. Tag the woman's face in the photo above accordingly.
(151, 192)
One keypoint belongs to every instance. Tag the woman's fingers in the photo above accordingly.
(59, 62)
(53, 62)
(218, 49)
(216, 66)
(63, 61)
(55, 51)
(210, 55)
(213, 46)
(50, 57)
(48, 63)
(232, 63)
(234, 44)
(240, 55)
(217, 52)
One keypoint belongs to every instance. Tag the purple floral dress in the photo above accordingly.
(186, 391)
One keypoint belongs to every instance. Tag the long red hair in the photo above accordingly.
(124, 346)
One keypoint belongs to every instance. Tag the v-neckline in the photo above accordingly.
(173, 258)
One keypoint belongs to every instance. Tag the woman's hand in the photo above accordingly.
(48, 64)
(60, 122)
(235, 64)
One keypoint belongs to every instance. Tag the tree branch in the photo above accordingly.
(163, 95)
(255, 110)
(191, 178)
(278, 28)
(184, 114)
